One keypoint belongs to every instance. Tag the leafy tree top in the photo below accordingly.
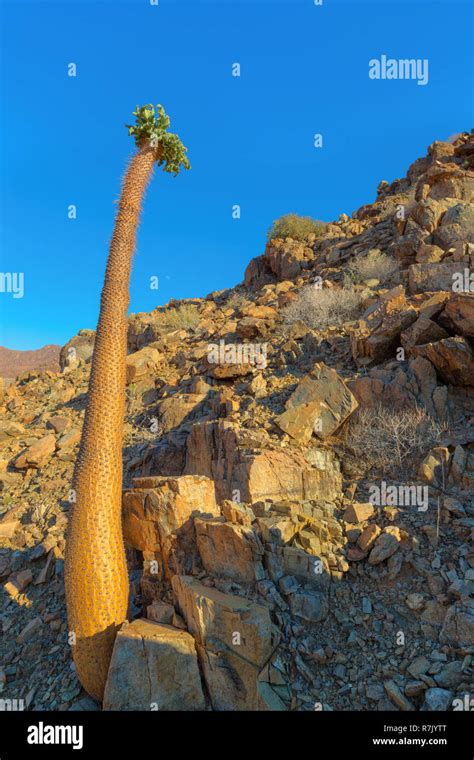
(150, 128)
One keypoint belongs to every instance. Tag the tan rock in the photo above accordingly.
(78, 350)
(431, 305)
(255, 311)
(396, 695)
(459, 314)
(453, 359)
(320, 404)
(18, 582)
(249, 327)
(68, 440)
(367, 390)
(38, 454)
(287, 258)
(237, 513)
(10, 430)
(429, 254)
(368, 536)
(58, 423)
(153, 667)
(160, 612)
(8, 528)
(278, 529)
(223, 452)
(175, 410)
(142, 363)
(438, 276)
(385, 545)
(427, 213)
(422, 331)
(228, 550)
(357, 513)
(234, 639)
(379, 329)
(434, 467)
(157, 515)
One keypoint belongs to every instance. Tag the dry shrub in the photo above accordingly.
(236, 301)
(319, 308)
(374, 265)
(178, 318)
(393, 441)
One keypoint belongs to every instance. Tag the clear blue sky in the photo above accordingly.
(304, 69)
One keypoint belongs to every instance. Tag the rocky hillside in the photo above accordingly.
(13, 363)
(299, 469)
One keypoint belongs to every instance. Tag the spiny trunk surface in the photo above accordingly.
(95, 567)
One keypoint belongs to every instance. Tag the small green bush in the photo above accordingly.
(296, 227)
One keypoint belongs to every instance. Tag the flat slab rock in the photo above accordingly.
(320, 403)
(153, 667)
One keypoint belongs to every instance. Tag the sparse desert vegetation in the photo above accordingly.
(373, 265)
(295, 227)
(180, 317)
(319, 308)
(393, 442)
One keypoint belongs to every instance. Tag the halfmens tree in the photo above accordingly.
(95, 567)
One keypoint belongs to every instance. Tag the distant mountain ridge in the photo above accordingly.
(13, 363)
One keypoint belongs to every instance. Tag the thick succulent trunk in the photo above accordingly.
(95, 567)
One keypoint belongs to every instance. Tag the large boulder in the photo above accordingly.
(234, 639)
(424, 330)
(457, 225)
(378, 332)
(320, 404)
(452, 358)
(287, 258)
(429, 277)
(458, 314)
(78, 350)
(158, 517)
(142, 363)
(9, 430)
(153, 667)
(258, 273)
(219, 450)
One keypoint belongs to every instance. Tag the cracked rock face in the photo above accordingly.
(148, 661)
